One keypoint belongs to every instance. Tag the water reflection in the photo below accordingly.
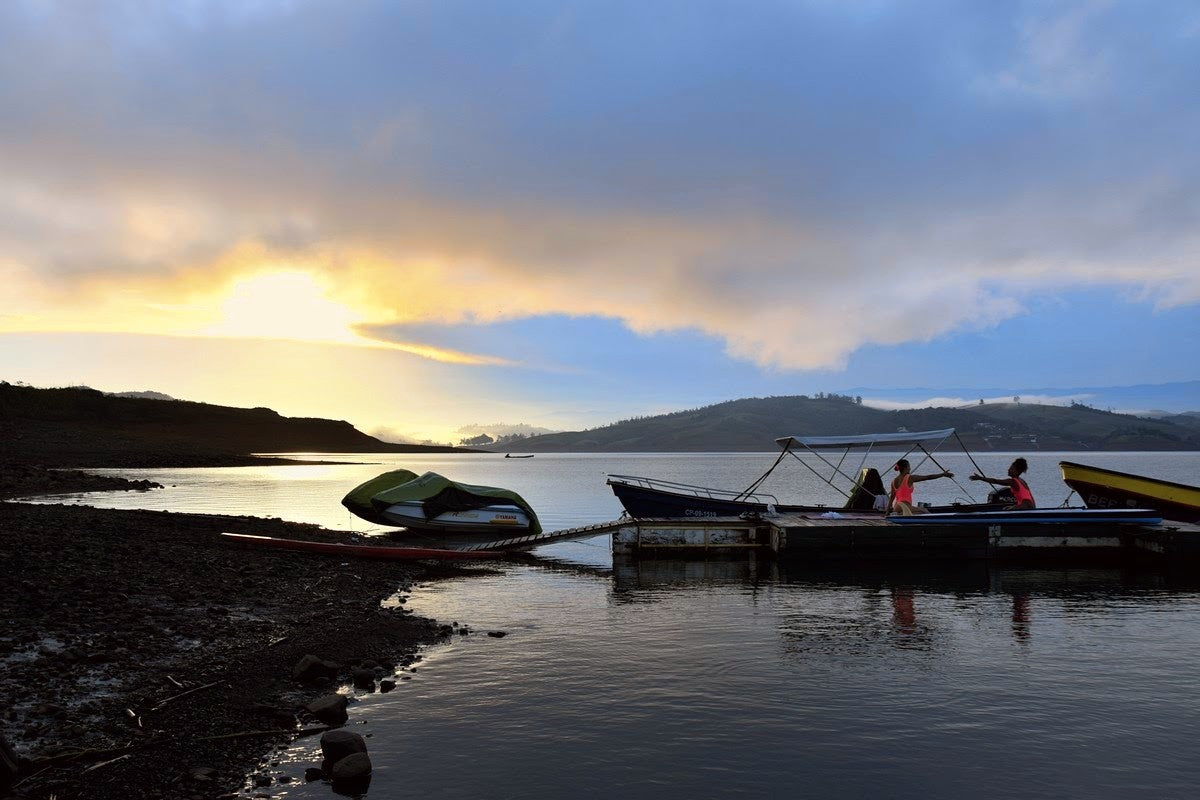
(723, 678)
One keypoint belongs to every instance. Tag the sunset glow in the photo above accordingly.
(584, 217)
(284, 305)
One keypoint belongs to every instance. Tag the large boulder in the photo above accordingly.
(311, 668)
(330, 709)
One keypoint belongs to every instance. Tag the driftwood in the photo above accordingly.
(247, 734)
(178, 685)
(173, 698)
(43, 764)
(104, 763)
(50, 762)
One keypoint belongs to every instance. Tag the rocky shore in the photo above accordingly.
(145, 656)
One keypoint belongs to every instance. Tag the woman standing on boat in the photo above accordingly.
(901, 495)
(1022, 497)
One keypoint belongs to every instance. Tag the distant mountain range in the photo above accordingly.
(81, 427)
(753, 424)
(1141, 399)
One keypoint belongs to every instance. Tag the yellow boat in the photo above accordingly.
(1107, 488)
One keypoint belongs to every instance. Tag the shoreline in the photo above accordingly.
(113, 612)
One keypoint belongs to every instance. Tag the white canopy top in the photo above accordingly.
(914, 437)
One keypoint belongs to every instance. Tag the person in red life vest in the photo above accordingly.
(900, 498)
(1022, 497)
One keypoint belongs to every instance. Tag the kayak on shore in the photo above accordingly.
(379, 552)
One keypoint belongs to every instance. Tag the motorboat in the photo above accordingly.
(862, 486)
(433, 503)
(1108, 488)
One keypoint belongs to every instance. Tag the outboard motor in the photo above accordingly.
(1001, 497)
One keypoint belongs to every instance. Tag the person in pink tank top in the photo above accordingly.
(900, 498)
(1022, 497)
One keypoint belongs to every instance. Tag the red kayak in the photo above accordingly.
(361, 550)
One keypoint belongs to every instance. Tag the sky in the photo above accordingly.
(420, 216)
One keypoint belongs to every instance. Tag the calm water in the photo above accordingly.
(718, 679)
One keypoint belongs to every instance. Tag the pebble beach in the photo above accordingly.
(143, 655)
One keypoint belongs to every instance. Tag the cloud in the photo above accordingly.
(798, 179)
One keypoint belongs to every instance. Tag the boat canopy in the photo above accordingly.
(436, 493)
(358, 500)
(817, 442)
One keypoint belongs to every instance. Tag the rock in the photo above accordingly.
(313, 774)
(311, 668)
(386, 685)
(364, 679)
(353, 767)
(337, 745)
(497, 634)
(203, 774)
(330, 709)
(262, 780)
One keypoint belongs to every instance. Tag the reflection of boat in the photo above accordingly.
(510, 455)
(385, 553)
(434, 503)
(1106, 488)
(864, 491)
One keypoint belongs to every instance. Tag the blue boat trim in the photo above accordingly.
(1055, 516)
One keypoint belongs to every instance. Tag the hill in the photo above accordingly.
(82, 427)
(753, 424)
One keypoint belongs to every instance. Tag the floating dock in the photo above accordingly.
(818, 538)
(827, 538)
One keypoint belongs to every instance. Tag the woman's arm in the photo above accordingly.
(994, 481)
(935, 476)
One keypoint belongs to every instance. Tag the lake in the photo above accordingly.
(758, 679)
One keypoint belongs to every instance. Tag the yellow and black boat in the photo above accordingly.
(1107, 488)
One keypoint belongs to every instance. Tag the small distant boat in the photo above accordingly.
(510, 455)
(1107, 488)
(359, 550)
(435, 504)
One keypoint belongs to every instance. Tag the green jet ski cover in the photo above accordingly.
(436, 493)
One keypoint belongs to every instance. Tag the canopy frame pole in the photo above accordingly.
(863, 463)
(754, 486)
(819, 475)
(943, 469)
(829, 464)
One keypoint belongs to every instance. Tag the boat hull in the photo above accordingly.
(651, 503)
(1036, 516)
(381, 553)
(646, 503)
(1105, 488)
(504, 520)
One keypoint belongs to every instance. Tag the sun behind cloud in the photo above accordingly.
(285, 305)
